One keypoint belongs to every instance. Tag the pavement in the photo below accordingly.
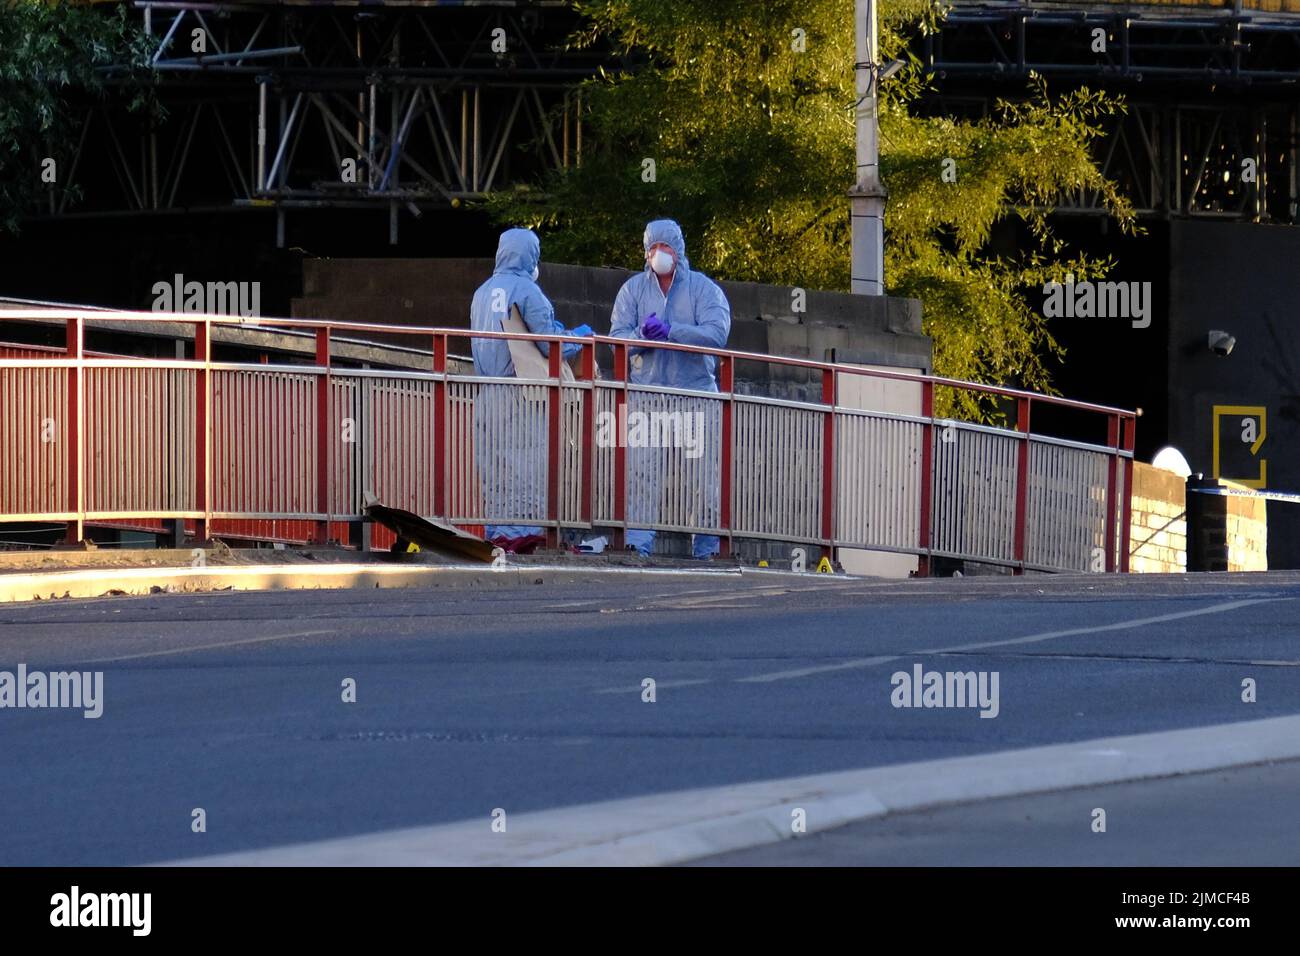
(64, 574)
(529, 696)
(1246, 816)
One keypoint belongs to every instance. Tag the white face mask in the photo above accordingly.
(536, 273)
(661, 262)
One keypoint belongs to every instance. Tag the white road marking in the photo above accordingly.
(818, 669)
(1007, 642)
(695, 600)
(203, 647)
(708, 600)
(659, 685)
(1099, 628)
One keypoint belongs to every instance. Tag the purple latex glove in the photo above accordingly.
(652, 328)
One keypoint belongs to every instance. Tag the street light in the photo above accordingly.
(867, 197)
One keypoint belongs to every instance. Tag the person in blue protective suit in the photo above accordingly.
(510, 420)
(670, 302)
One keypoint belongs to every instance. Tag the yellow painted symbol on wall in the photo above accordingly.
(824, 567)
(1249, 433)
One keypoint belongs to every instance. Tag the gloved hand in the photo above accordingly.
(655, 330)
(583, 331)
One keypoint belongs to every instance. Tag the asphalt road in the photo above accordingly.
(530, 697)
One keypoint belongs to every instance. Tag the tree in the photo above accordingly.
(51, 52)
(746, 112)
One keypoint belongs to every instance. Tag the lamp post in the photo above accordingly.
(867, 197)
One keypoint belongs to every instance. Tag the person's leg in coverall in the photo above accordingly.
(690, 473)
(644, 468)
(707, 422)
(510, 452)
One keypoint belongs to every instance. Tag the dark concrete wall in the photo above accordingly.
(437, 292)
(1243, 279)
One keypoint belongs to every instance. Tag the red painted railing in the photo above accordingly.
(255, 449)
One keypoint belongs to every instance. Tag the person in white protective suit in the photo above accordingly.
(510, 420)
(668, 301)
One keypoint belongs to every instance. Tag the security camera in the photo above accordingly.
(890, 68)
(1221, 343)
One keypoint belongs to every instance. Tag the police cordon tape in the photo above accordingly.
(1243, 493)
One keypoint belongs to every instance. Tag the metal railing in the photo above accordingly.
(89, 437)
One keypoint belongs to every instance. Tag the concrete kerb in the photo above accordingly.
(16, 586)
(688, 825)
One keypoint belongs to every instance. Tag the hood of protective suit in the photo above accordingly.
(670, 234)
(518, 251)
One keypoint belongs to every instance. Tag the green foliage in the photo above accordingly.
(52, 54)
(753, 142)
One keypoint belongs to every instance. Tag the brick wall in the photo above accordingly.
(1247, 535)
(1226, 532)
(1158, 539)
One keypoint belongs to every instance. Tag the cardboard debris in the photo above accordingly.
(430, 535)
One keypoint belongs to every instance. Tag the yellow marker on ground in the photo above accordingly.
(824, 566)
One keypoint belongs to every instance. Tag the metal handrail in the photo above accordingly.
(1117, 449)
(270, 324)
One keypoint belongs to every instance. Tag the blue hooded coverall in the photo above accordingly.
(697, 313)
(510, 420)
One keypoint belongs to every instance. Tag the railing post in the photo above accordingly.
(727, 382)
(828, 464)
(554, 462)
(927, 478)
(440, 426)
(620, 450)
(76, 349)
(202, 429)
(361, 530)
(1112, 476)
(1022, 482)
(1126, 522)
(324, 430)
(587, 373)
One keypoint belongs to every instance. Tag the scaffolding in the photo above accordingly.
(405, 107)
(1211, 124)
(400, 106)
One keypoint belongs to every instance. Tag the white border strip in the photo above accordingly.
(687, 825)
(96, 582)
